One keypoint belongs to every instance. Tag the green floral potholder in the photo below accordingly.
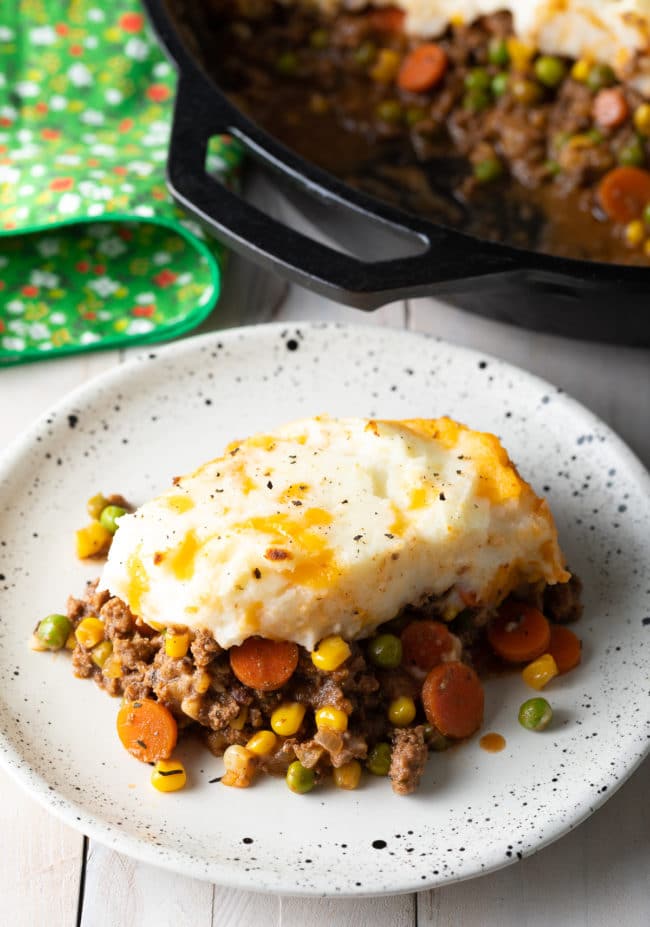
(93, 251)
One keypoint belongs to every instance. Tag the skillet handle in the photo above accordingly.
(444, 254)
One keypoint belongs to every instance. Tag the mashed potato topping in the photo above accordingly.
(331, 526)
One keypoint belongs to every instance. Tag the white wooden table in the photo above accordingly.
(597, 876)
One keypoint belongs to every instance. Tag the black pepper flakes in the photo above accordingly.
(442, 497)
(257, 573)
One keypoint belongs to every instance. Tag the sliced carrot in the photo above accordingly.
(519, 633)
(452, 696)
(389, 19)
(147, 729)
(424, 643)
(422, 68)
(565, 648)
(624, 193)
(610, 108)
(263, 664)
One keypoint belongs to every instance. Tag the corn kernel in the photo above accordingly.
(90, 632)
(92, 541)
(101, 652)
(202, 681)
(348, 775)
(330, 653)
(581, 69)
(176, 644)
(331, 719)
(520, 53)
(240, 766)
(71, 642)
(646, 247)
(262, 743)
(401, 711)
(157, 626)
(168, 776)
(642, 119)
(95, 506)
(457, 19)
(634, 233)
(191, 706)
(540, 672)
(112, 669)
(241, 719)
(286, 719)
(384, 71)
(580, 141)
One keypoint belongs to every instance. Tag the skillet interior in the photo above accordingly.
(420, 173)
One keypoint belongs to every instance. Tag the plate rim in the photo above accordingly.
(182, 862)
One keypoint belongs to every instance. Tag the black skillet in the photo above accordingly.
(583, 299)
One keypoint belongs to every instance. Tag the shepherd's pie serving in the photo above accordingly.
(322, 598)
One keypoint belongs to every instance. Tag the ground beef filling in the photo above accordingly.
(206, 697)
(491, 148)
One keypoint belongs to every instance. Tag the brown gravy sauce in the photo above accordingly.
(492, 742)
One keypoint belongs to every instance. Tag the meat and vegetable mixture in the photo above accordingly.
(379, 704)
(475, 129)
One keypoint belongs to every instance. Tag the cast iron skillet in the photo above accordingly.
(584, 299)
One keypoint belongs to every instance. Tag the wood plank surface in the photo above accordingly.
(41, 865)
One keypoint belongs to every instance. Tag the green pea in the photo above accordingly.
(434, 739)
(287, 64)
(476, 100)
(595, 135)
(498, 53)
(101, 652)
(415, 114)
(53, 631)
(385, 651)
(389, 111)
(300, 779)
(365, 53)
(319, 38)
(489, 170)
(500, 83)
(477, 79)
(526, 91)
(550, 70)
(553, 168)
(646, 214)
(109, 517)
(535, 714)
(378, 762)
(632, 155)
(600, 75)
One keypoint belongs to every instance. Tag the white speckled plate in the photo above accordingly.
(131, 430)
